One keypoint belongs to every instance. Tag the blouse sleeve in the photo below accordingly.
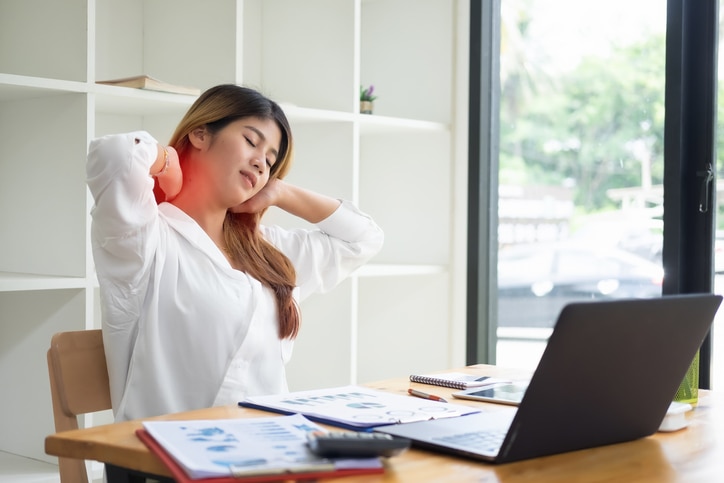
(325, 256)
(125, 210)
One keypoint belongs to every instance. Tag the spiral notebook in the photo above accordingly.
(456, 380)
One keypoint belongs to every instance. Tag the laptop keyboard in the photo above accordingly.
(482, 441)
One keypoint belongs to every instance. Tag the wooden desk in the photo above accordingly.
(693, 454)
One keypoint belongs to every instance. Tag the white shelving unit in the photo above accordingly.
(405, 165)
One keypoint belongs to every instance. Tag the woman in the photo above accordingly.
(199, 299)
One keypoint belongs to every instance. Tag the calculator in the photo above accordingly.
(351, 444)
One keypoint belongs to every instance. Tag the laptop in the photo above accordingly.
(608, 374)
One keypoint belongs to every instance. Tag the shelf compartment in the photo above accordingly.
(409, 63)
(161, 38)
(404, 326)
(29, 321)
(312, 64)
(44, 182)
(44, 39)
(323, 355)
(323, 162)
(406, 186)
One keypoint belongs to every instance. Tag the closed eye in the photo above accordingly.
(251, 143)
(272, 151)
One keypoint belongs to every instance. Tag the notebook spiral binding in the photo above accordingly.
(438, 381)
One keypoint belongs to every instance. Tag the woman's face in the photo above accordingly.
(240, 157)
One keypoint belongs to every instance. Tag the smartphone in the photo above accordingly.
(510, 393)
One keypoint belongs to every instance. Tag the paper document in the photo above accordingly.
(245, 447)
(358, 407)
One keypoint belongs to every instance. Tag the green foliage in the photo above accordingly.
(597, 124)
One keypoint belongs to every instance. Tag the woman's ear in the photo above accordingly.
(199, 137)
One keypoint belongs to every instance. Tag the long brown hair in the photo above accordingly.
(215, 109)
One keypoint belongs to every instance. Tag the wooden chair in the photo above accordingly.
(78, 385)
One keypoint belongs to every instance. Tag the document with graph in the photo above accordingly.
(245, 450)
(357, 407)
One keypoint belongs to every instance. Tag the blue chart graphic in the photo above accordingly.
(223, 448)
(361, 407)
(227, 450)
(365, 405)
(326, 399)
(266, 445)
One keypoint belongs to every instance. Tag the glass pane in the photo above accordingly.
(581, 161)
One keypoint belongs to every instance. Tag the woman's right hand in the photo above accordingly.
(169, 180)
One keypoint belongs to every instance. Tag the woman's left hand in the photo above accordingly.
(295, 200)
(268, 196)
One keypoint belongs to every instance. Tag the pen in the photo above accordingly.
(424, 395)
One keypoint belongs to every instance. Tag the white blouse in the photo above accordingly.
(182, 329)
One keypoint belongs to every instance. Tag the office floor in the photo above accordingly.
(15, 469)
(24, 470)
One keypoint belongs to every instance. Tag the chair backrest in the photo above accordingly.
(78, 385)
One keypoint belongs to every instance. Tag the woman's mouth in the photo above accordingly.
(250, 177)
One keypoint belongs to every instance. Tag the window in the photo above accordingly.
(576, 153)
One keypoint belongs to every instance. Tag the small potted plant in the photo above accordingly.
(366, 99)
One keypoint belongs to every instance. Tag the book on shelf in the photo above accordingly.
(357, 407)
(456, 380)
(151, 84)
(245, 450)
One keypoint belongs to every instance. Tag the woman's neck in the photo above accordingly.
(210, 219)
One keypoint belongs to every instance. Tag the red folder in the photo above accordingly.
(181, 477)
